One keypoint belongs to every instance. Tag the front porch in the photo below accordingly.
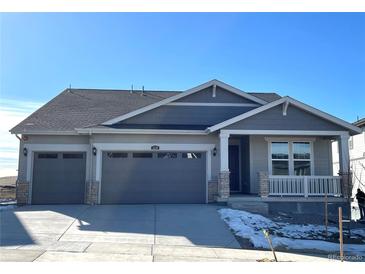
(282, 166)
(313, 205)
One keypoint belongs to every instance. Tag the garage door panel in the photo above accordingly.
(153, 180)
(58, 180)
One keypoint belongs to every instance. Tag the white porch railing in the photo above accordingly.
(304, 185)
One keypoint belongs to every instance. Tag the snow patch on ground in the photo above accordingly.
(286, 235)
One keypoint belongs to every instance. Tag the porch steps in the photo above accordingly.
(250, 206)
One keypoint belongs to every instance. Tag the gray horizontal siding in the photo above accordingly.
(222, 96)
(322, 157)
(296, 119)
(187, 115)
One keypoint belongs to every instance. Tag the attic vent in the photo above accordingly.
(214, 90)
(29, 124)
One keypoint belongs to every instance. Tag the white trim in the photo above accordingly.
(294, 139)
(32, 148)
(223, 151)
(147, 147)
(214, 91)
(281, 101)
(184, 94)
(213, 104)
(140, 131)
(283, 132)
(285, 107)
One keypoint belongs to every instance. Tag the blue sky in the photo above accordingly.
(318, 58)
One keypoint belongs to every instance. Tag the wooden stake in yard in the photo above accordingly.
(340, 232)
(267, 236)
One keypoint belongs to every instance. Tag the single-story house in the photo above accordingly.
(211, 143)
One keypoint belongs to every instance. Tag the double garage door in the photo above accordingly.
(127, 177)
(153, 177)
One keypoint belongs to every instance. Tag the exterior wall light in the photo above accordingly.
(214, 151)
(94, 151)
(25, 152)
(155, 147)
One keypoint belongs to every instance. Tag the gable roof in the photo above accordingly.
(184, 94)
(76, 108)
(286, 100)
(85, 108)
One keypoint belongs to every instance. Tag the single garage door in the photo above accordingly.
(58, 178)
(153, 177)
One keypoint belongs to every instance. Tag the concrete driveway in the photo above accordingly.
(50, 232)
(122, 233)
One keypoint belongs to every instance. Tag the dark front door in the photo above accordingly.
(234, 165)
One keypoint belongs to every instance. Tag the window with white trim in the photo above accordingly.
(291, 158)
(280, 158)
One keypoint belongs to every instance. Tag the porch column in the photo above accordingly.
(344, 160)
(223, 178)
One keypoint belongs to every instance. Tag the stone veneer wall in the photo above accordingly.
(212, 191)
(92, 193)
(22, 193)
(223, 186)
(263, 184)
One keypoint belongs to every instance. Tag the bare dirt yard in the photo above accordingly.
(7, 188)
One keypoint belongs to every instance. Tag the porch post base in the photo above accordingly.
(346, 184)
(264, 184)
(223, 186)
(92, 193)
(22, 193)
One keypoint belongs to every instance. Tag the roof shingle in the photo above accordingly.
(77, 108)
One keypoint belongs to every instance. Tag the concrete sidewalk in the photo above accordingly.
(117, 252)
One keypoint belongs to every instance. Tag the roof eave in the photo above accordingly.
(44, 132)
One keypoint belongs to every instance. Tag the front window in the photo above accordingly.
(301, 158)
(291, 158)
(280, 158)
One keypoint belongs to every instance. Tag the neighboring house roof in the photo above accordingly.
(84, 108)
(360, 123)
(286, 101)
